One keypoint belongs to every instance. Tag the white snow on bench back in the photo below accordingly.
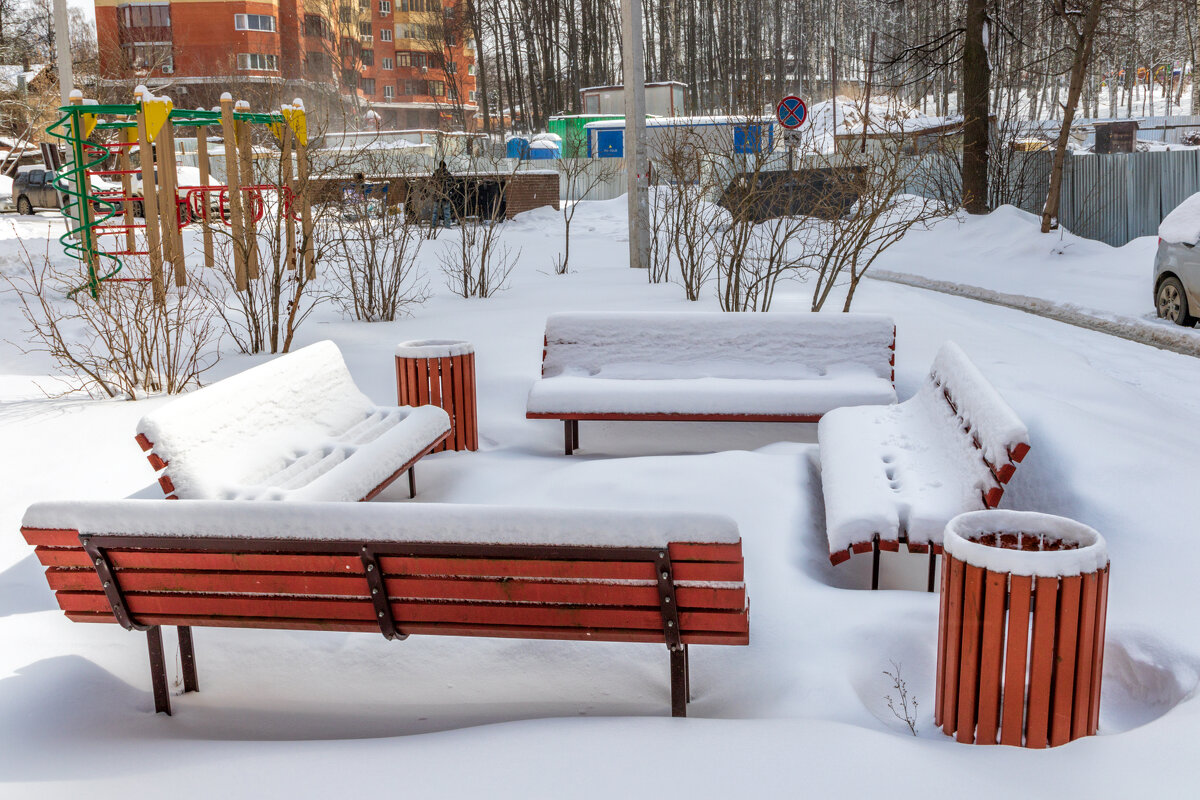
(286, 429)
(656, 345)
(391, 522)
(996, 427)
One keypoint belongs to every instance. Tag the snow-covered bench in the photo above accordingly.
(294, 428)
(777, 367)
(395, 569)
(899, 473)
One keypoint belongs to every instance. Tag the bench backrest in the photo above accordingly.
(456, 570)
(983, 417)
(666, 345)
(250, 425)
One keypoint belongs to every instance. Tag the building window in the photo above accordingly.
(368, 58)
(385, 34)
(264, 62)
(145, 56)
(414, 87)
(318, 26)
(451, 67)
(254, 22)
(385, 7)
(471, 95)
(411, 30)
(418, 60)
(403, 59)
(344, 14)
(470, 69)
(364, 30)
(437, 88)
(387, 63)
(367, 85)
(389, 92)
(145, 15)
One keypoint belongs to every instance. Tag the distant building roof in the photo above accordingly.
(621, 86)
(11, 75)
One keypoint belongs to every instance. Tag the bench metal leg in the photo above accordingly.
(568, 437)
(158, 670)
(932, 566)
(187, 654)
(875, 563)
(679, 682)
(687, 673)
(575, 433)
(412, 482)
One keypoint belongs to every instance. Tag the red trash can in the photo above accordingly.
(1021, 629)
(441, 372)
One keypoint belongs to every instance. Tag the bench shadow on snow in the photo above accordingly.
(23, 589)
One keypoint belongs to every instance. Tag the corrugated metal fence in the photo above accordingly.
(1117, 198)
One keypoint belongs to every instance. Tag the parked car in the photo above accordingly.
(34, 188)
(1177, 264)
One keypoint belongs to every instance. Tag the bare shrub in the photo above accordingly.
(479, 262)
(266, 315)
(372, 243)
(374, 267)
(903, 705)
(121, 344)
(578, 178)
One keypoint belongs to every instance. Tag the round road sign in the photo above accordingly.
(791, 112)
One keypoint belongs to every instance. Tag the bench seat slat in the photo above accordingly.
(503, 590)
(500, 631)
(466, 613)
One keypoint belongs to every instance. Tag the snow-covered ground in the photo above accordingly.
(1115, 428)
(1004, 252)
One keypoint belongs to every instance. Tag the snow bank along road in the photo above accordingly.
(1175, 339)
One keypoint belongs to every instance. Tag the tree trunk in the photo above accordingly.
(1083, 55)
(976, 76)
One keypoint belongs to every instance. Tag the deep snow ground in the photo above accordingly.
(1115, 429)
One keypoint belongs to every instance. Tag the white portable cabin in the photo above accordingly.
(663, 99)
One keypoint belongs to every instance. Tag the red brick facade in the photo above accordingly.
(411, 62)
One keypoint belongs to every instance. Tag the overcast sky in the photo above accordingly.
(87, 6)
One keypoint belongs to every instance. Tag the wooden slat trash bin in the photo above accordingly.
(1021, 630)
(441, 372)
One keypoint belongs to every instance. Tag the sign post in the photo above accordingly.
(791, 112)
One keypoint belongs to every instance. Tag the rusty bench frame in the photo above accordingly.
(99, 546)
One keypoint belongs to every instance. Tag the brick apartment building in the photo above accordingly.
(412, 62)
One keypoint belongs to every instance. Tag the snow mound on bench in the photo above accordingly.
(910, 468)
(983, 410)
(380, 522)
(709, 363)
(294, 428)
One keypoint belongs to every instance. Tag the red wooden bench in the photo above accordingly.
(395, 570)
(897, 474)
(294, 428)
(706, 367)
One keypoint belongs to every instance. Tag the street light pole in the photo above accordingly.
(62, 44)
(636, 160)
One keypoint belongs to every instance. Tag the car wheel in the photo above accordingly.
(139, 210)
(24, 206)
(1171, 302)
